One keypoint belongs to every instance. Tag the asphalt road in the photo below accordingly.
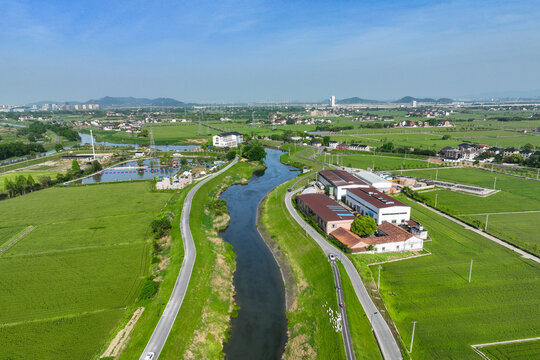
(165, 324)
(387, 344)
(341, 305)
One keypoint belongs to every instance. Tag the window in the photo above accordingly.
(393, 221)
(398, 247)
(333, 226)
(383, 248)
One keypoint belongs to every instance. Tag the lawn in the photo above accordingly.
(9, 233)
(501, 302)
(77, 271)
(514, 351)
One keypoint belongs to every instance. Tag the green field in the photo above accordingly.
(77, 271)
(380, 162)
(514, 351)
(515, 195)
(501, 302)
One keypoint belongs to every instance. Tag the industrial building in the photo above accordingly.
(327, 213)
(381, 207)
(374, 180)
(338, 181)
(227, 139)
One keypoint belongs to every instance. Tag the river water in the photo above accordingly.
(260, 330)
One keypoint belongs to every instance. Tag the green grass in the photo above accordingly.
(500, 303)
(364, 343)
(380, 162)
(520, 229)
(9, 233)
(207, 307)
(63, 338)
(79, 269)
(516, 195)
(311, 333)
(514, 351)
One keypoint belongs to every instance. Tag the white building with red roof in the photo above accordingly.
(381, 207)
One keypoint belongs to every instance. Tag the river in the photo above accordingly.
(260, 330)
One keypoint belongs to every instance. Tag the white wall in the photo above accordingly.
(413, 244)
(394, 214)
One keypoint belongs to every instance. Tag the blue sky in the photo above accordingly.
(223, 51)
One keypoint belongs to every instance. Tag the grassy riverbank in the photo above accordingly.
(203, 324)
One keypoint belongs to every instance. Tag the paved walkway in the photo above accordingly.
(487, 236)
(387, 344)
(166, 322)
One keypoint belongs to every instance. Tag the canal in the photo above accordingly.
(260, 330)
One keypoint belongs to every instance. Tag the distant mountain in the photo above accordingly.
(357, 100)
(109, 101)
(410, 99)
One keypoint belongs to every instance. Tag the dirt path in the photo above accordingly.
(120, 340)
(14, 241)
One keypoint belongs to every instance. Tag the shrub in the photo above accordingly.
(149, 289)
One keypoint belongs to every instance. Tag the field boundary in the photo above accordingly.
(401, 259)
(477, 347)
(19, 237)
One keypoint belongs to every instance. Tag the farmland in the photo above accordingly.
(77, 271)
(513, 351)
(364, 161)
(512, 211)
(500, 303)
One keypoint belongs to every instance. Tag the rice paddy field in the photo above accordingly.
(66, 284)
(500, 303)
(513, 351)
(364, 161)
(513, 211)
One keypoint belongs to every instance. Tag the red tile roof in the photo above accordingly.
(341, 177)
(375, 197)
(346, 237)
(326, 208)
(393, 234)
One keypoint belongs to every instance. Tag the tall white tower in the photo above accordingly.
(332, 101)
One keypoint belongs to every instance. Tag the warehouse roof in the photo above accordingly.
(341, 177)
(326, 208)
(371, 178)
(375, 197)
(229, 133)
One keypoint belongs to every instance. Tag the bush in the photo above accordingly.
(161, 227)
(149, 289)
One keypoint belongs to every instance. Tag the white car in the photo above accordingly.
(332, 257)
(150, 355)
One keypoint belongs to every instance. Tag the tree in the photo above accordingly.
(143, 133)
(364, 226)
(58, 147)
(96, 166)
(184, 162)
(44, 181)
(75, 167)
(231, 154)
(253, 152)
(326, 140)
(446, 137)
(387, 147)
(30, 183)
(527, 146)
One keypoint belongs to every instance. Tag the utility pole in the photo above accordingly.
(252, 118)
(487, 218)
(412, 337)
(436, 200)
(494, 182)
(379, 280)
(470, 271)
(436, 174)
(200, 124)
(92, 139)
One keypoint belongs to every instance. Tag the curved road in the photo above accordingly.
(165, 324)
(387, 344)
